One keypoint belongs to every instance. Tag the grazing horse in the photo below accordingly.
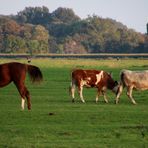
(16, 73)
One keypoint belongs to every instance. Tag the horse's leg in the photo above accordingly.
(23, 103)
(20, 88)
(27, 95)
(24, 94)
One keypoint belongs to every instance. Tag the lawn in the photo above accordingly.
(56, 122)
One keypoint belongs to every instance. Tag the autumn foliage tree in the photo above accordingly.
(16, 38)
(35, 30)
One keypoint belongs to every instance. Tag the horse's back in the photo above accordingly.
(12, 71)
(17, 71)
(14, 66)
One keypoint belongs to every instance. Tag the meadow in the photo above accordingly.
(56, 122)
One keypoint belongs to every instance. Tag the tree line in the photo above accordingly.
(35, 30)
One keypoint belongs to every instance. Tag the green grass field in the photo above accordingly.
(73, 125)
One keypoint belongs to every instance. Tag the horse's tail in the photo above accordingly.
(35, 73)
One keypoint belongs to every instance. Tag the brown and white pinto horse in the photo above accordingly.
(16, 73)
(92, 78)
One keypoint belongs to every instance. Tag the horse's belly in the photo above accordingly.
(4, 82)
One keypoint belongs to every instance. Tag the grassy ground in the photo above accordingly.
(56, 122)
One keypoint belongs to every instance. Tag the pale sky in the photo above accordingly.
(132, 13)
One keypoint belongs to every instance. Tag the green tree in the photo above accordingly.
(14, 44)
(36, 30)
(34, 15)
(64, 15)
(33, 47)
(41, 35)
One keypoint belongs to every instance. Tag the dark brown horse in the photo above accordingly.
(16, 72)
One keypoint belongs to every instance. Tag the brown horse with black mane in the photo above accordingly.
(16, 72)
